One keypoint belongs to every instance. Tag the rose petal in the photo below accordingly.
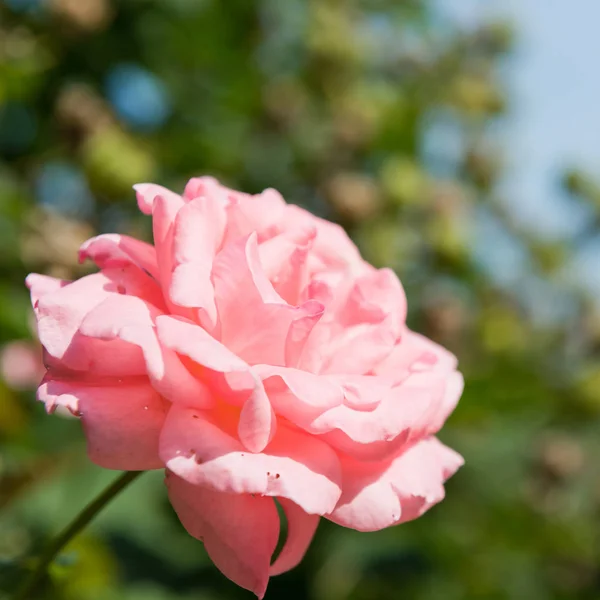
(405, 413)
(146, 194)
(122, 421)
(257, 424)
(297, 395)
(131, 319)
(61, 313)
(114, 250)
(202, 447)
(380, 494)
(239, 532)
(301, 530)
(199, 228)
(40, 285)
(255, 321)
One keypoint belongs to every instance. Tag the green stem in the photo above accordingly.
(30, 584)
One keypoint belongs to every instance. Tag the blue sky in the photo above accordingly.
(554, 119)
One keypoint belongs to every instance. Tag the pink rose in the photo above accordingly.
(255, 355)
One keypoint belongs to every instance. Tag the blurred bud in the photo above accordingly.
(115, 161)
(17, 44)
(580, 184)
(84, 15)
(80, 109)
(331, 33)
(476, 95)
(587, 385)
(284, 100)
(561, 456)
(360, 110)
(51, 239)
(550, 257)
(502, 330)
(482, 166)
(404, 181)
(497, 37)
(386, 243)
(354, 196)
(446, 318)
(449, 198)
(21, 364)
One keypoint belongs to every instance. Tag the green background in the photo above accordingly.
(345, 107)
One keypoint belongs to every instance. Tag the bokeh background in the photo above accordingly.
(455, 140)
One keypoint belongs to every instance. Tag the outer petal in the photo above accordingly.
(131, 319)
(114, 250)
(301, 530)
(377, 495)
(40, 285)
(202, 447)
(122, 421)
(239, 532)
(415, 353)
(407, 412)
(61, 313)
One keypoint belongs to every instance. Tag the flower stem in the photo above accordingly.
(25, 592)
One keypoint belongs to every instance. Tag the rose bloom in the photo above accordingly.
(256, 356)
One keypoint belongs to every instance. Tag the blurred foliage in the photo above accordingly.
(377, 114)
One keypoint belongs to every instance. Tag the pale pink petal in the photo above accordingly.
(122, 421)
(199, 228)
(260, 214)
(380, 494)
(415, 353)
(297, 395)
(225, 373)
(284, 260)
(301, 530)
(239, 532)
(194, 342)
(131, 319)
(164, 214)
(255, 320)
(146, 194)
(257, 424)
(40, 285)
(300, 330)
(203, 448)
(59, 317)
(405, 413)
(332, 244)
(205, 186)
(114, 250)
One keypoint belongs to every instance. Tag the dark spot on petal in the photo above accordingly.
(277, 475)
(121, 289)
(195, 417)
(268, 474)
